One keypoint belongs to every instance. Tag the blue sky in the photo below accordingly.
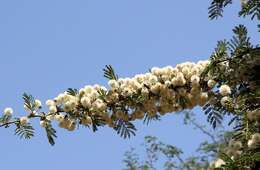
(48, 46)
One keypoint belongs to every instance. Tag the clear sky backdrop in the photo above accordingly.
(48, 46)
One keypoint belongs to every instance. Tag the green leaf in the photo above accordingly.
(51, 133)
(97, 121)
(214, 114)
(148, 118)
(240, 40)
(102, 94)
(252, 8)
(256, 156)
(216, 8)
(145, 167)
(5, 119)
(109, 73)
(24, 131)
(72, 92)
(257, 91)
(125, 128)
(220, 51)
(29, 101)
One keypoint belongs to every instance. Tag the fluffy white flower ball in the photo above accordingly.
(38, 103)
(168, 83)
(185, 71)
(225, 101)
(60, 98)
(8, 111)
(59, 117)
(235, 145)
(113, 84)
(88, 89)
(53, 109)
(99, 105)
(253, 115)
(219, 162)
(24, 120)
(203, 98)
(64, 123)
(85, 101)
(72, 126)
(68, 106)
(86, 120)
(156, 88)
(156, 71)
(211, 83)
(256, 137)
(50, 103)
(195, 80)
(251, 143)
(224, 90)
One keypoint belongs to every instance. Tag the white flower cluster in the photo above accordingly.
(88, 98)
(211, 83)
(8, 111)
(216, 164)
(161, 90)
(224, 90)
(253, 115)
(234, 149)
(254, 141)
(65, 123)
(226, 101)
(24, 120)
(51, 105)
(38, 103)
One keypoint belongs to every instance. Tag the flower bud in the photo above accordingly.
(24, 120)
(38, 103)
(224, 90)
(8, 111)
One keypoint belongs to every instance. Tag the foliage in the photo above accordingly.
(149, 118)
(124, 128)
(51, 133)
(29, 102)
(216, 8)
(24, 131)
(242, 63)
(248, 8)
(235, 63)
(72, 91)
(110, 73)
(172, 156)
